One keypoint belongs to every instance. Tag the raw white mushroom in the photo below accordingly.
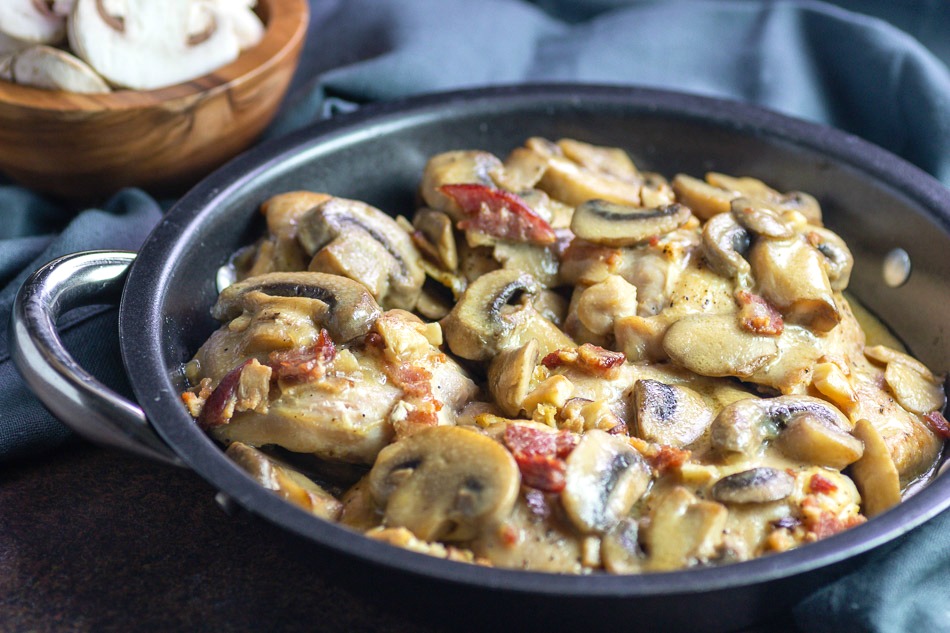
(51, 68)
(149, 46)
(31, 21)
(247, 26)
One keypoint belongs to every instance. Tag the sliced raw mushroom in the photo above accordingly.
(611, 224)
(355, 240)
(674, 415)
(445, 483)
(509, 376)
(811, 439)
(457, 167)
(760, 220)
(743, 426)
(875, 474)
(240, 13)
(285, 481)
(715, 345)
(605, 476)
(837, 257)
(343, 306)
(496, 313)
(791, 275)
(149, 46)
(31, 21)
(725, 246)
(756, 485)
(683, 531)
(51, 69)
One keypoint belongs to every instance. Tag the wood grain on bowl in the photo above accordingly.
(87, 145)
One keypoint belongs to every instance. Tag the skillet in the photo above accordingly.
(874, 200)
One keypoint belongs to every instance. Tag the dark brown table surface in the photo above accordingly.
(95, 540)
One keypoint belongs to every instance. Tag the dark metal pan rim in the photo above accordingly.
(140, 321)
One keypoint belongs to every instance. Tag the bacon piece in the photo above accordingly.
(938, 424)
(219, 407)
(821, 485)
(499, 213)
(540, 455)
(589, 358)
(304, 364)
(758, 315)
(542, 472)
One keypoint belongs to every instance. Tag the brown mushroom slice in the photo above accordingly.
(755, 189)
(610, 224)
(445, 483)
(288, 483)
(743, 426)
(495, 313)
(437, 227)
(509, 377)
(790, 275)
(573, 184)
(875, 474)
(605, 476)
(673, 415)
(456, 167)
(611, 161)
(811, 439)
(913, 384)
(725, 245)
(760, 220)
(683, 531)
(539, 262)
(715, 345)
(756, 485)
(52, 69)
(341, 305)
(122, 49)
(620, 549)
(522, 169)
(705, 200)
(836, 256)
(284, 211)
(384, 259)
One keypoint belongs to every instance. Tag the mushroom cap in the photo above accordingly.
(31, 21)
(53, 69)
(445, 483)
(610, 224)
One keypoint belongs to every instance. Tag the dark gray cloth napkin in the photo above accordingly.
(876, 68)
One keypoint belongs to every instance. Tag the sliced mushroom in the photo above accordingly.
(437, 228)
(837, 257)
(457, 167)
(285, 481)
(611, 161)
(811, 439)
(496, 313)
(875, 474)
(725, 245)
(574, 184)
(605, 476)
(620, 548)
(743, 426)
(51, 69)
(914, 386)
(149, 46)
(31, 21)
(674, 415)
(683, 531)
(760, 220)
(539, 262)
(241, 17)
(610, 224)
(509, 376)
(445, 483)
(601, 305)
(341, 305)
(705, 200)
(758, 191)
(715, 345)
(756, 485)
(791, 275)
(356, 240)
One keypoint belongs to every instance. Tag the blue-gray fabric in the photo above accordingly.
(876, 68)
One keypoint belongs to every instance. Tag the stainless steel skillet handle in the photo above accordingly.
(76, 398)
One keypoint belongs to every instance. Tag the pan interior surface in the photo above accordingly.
(874, 201)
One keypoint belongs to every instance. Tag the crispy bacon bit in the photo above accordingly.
(589, 358)
(413, 380)
(540, 455)
(820, 485)
(819, 523)
(195, 399)
(304, 364)
(758, 315)
(423, 406)
(938, 424)
(668, 458)
(499, 213)
(219, 407)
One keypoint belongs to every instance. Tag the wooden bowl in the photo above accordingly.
(83, 146)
